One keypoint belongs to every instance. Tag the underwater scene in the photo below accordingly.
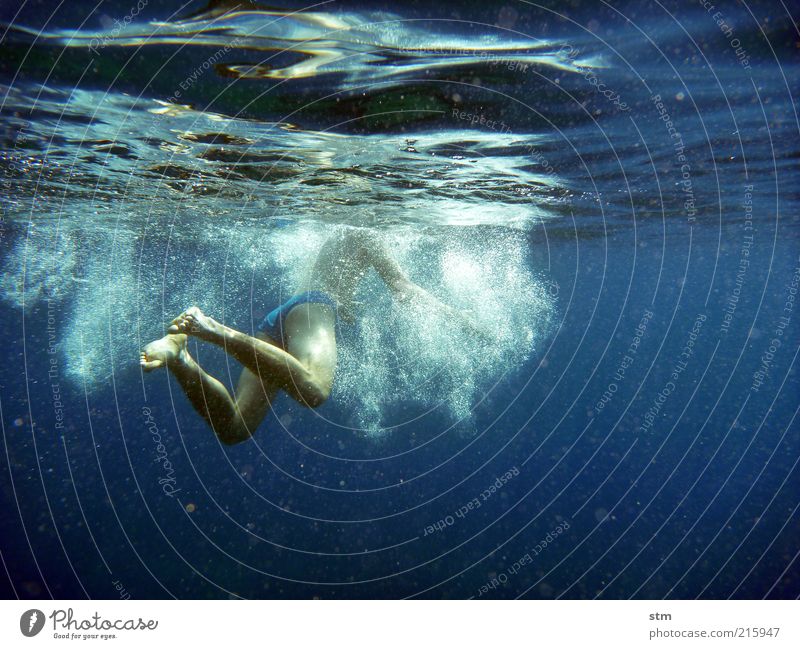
(359, 300)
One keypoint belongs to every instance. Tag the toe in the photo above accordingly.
(179, 325)
(148, 366)
(180, 318)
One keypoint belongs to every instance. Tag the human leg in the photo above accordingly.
(308, 380)
(232, 419)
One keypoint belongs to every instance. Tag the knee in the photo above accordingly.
(315, 395)
(315, 399)
(233, 432)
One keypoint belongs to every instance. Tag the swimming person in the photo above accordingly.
(294, 348)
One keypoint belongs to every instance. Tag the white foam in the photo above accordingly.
(414, 352)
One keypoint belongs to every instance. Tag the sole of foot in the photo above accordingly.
(162, 352)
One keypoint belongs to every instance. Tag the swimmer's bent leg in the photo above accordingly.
(233, 421)
(305, 371)
(307, 386)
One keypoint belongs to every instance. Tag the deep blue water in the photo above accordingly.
(633, 433)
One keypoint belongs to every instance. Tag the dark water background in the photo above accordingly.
(611, 266)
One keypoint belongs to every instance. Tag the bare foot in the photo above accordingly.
(163, 352)
(194, 322)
